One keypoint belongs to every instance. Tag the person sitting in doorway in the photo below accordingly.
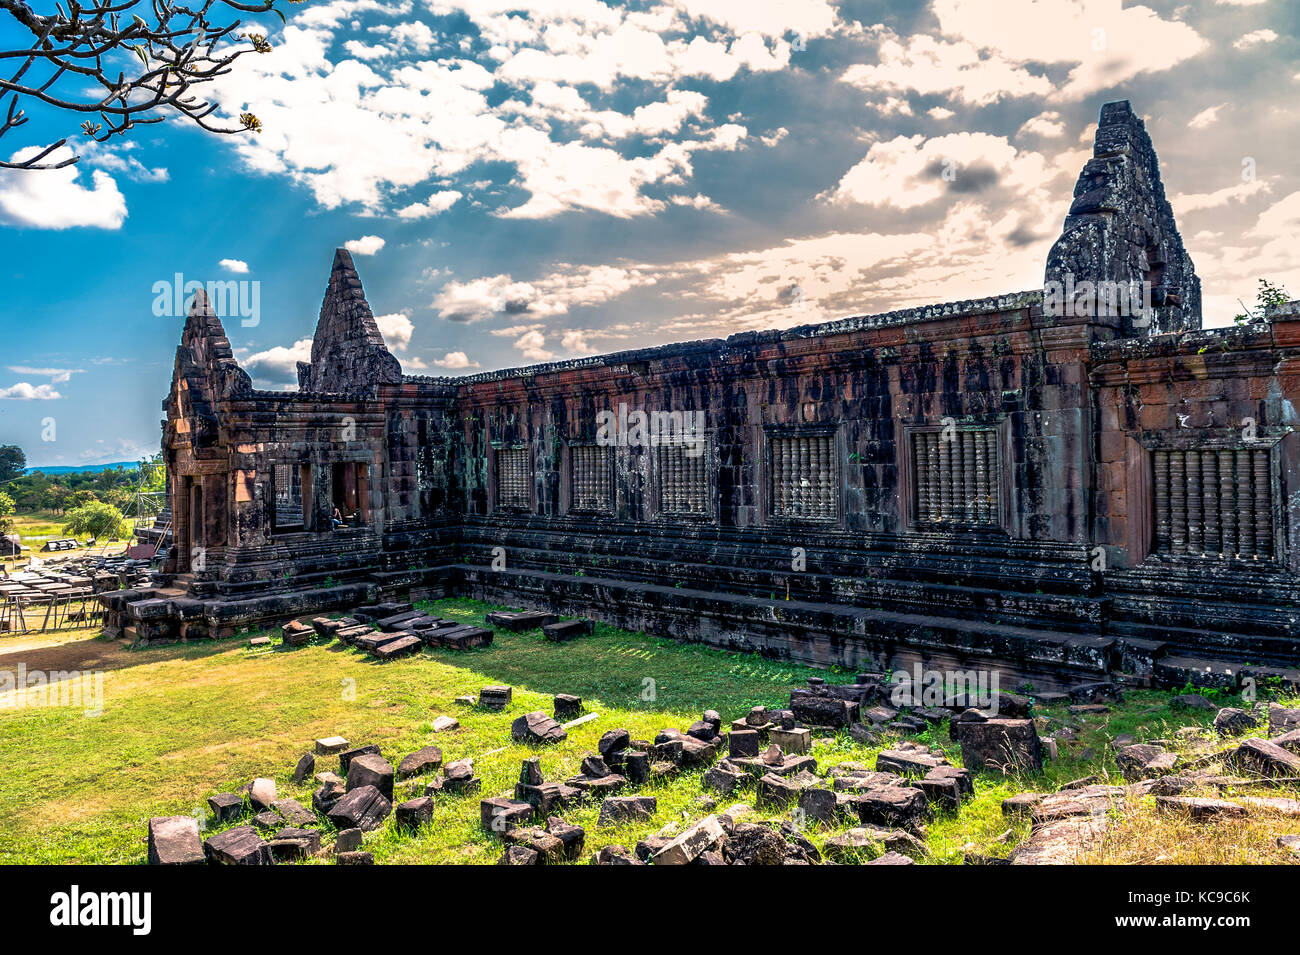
(338, 518)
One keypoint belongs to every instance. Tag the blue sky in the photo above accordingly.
(525, 181)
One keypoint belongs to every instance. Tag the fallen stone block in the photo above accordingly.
(1264, 758)
(571, 837)
(371, 770)
(907, 762)
(548, 847)
(226, 807)
(174, 840)
(537, 729)
(517, 622)
(704, 835)
(497, 814)
(346, 757)
(294, 813)
(347, 840)
(292, 845)
(295, 634)
(567, 706)
(330, 745)
(1282, 720)
(355, 858)
(1231, 721)
(1144, 761)
(427, 759)
(239, 846)
(410, 815)
(565, 630)
(1001, 745)
(364, 808)
(306, 766)
(796, 740)
(494, 697)
(262, 793)
(1060, 842)
(823, 710)
(445, 724)
(616, 809)
(865, 843)
(401, 647)
(889, 807)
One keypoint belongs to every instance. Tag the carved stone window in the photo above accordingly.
(514, 478)
(955, 477)
(1214, 502)
(683, 478)
(593, 484)
(804, 477)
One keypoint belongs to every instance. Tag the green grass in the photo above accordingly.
(182, 723)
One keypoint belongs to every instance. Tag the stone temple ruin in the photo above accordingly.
(1049, 482)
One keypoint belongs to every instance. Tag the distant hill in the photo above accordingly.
(83, 468)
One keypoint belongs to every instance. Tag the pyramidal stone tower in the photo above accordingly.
(348, 354)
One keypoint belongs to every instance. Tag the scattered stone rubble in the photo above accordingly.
(875, 814)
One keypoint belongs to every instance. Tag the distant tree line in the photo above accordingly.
(80, 496)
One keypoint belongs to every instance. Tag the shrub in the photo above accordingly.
(97, 519)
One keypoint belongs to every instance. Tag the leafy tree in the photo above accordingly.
(81, 498)
(12, 462)
(98, 520)
(153, 474)
(118, 64)
(1268, 295)
(6, 513)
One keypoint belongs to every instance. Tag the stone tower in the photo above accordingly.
(348, 354)
(1120, 230)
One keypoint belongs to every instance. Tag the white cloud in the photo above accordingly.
(356, 131)
(57, 198)
(1195, 202)
(396, 329)
(437, 203)
(116, 157)
(566, 288)
(927, 65)
(910, 171)
(574, 341)
(1206, 117)
(234, 265)
(363, 51)
(366, 245)
(278, 365)
(774, 137)
(1047, 125)
(57, 376)
(1255, 38)
(25, 391)
(1104, 42)
(454, 360)
(697, 201)
(532, 346)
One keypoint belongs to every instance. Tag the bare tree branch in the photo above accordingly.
(123, 63)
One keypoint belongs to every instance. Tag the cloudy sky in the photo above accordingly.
(525, 181)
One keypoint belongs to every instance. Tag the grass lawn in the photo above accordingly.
(36, 527)
(182, 723)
